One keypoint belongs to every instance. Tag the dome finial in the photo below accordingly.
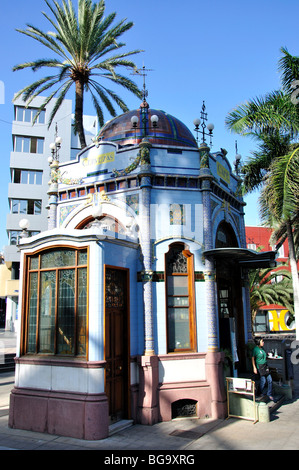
(141, 72)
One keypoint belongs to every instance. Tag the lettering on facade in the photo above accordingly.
(98, 159)
(223, 173)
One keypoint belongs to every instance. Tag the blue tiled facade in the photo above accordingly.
(139, 192)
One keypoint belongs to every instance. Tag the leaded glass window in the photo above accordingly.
(180, 299)
(56, 309)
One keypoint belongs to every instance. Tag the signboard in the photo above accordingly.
(95, 159)
(278, 320)
(97, 162)
(223, 173)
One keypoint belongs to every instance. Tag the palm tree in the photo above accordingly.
(279, 204)
(289, 67)
(266, 115)
(87, 48)
(274, 120)
(265, 289)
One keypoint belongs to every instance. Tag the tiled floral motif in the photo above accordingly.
(65, 211)
(133, 201)
(177, 214)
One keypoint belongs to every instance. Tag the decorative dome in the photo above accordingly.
(168, 131)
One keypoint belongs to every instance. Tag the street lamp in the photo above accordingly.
(152, 123)
(210, 127)
(53, 161)
(55, 147)
(24, 224)
(237, 161)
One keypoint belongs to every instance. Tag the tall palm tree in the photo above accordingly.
(87, 46)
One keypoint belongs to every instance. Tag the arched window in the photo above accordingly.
(181, 331)
(56, 302)
(105, 222)
(225, 236)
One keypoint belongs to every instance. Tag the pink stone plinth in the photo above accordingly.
(82, 416)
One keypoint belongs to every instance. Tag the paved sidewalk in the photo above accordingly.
(181, 435)
(281, 433)
(8, 341)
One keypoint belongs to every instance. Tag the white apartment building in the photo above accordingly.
(29, 168)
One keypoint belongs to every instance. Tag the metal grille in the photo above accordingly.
(176, 261)
(184, 408)
(115, 289)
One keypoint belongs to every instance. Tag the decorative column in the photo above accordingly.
(209, 272)
(53, 183)
(245, 285)
(53, 196)
(149, 372)
(147, 274)
(214, 358)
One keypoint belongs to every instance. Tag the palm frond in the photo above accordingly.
(44, 38)
(289, 67)
(262, 115)
(86, 43)
(31, 91)
(59, 100)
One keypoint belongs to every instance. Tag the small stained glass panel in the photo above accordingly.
(32, 313)
(82, 312)
(47, 312)
(34, 262)
(66, 312)
(58, 258)
(82, 257)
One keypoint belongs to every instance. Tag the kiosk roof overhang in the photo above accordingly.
(245, 258)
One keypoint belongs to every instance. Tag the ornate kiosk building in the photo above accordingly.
(130, 298)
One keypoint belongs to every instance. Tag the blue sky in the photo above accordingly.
(223, 52)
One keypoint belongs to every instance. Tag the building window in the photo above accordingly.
(23, 114)
(260, 323)
(28, 144)
(181, 335)
(27, 176)
(281, 253)
(15, 235)
(56, 303)
(105, 222)
(24, 206)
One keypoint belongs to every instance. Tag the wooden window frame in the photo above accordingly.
(191, 296)
(25, 302)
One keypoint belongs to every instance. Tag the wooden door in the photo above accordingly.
(116, 342)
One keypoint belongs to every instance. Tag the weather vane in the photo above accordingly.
(143, 74)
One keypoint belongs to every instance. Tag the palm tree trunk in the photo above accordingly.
(294, 272)
(79, 113)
